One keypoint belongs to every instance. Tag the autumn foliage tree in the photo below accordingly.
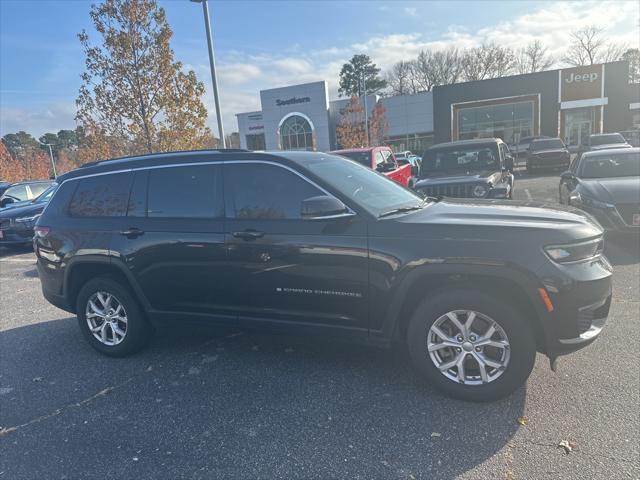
(350, 131)
(24, 163)
(135, 98)
(10, 169)
(378, 125)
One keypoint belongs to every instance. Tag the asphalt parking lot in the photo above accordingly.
(209, 403)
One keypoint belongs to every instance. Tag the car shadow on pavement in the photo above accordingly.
(622, 249)
(15, 250)
(203, 402)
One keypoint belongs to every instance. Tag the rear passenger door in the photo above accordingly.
(172, 239)
(287, 270)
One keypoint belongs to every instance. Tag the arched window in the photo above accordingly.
(296, 133)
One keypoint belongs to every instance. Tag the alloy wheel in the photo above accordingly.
(106, 318)
(468, 347)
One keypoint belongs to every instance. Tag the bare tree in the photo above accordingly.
(632, 55)
(486, 61)
(588, 47)
(433, 68)
(532, 58)
(422, 71)
(400, 79)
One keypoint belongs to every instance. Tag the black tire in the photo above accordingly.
(138, 329)
(522, 345)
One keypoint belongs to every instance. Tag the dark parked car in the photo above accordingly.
(547, 153)
(3, 187)
(24, 191)
(469, 168)
(602, 141)
(312, 243)
(607, 185)
(16, 223)
(521, 149)
(632, 137)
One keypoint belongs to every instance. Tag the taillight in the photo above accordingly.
(41, 231)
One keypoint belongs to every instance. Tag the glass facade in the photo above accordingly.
(415, 142)
(255, 141)
(296, 134)
(508, 121)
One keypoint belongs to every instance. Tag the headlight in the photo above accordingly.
(576, 198)
(575, 252)
(480, 191)
(28, 219)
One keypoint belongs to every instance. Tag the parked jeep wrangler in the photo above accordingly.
(469, 168)
(313, 243)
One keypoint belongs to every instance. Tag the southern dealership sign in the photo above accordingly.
(292, 101)
(581, 83)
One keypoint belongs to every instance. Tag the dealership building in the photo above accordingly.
(568, 103)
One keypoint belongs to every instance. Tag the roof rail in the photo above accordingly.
(148, 155)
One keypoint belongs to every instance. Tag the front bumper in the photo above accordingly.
(581, 297)
(548, 162)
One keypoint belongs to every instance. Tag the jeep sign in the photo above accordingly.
(581, 83)
(585, 77)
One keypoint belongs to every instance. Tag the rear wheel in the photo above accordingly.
(110, 318)
(471, 345)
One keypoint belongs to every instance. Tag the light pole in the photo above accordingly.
(212, 64)
(366, 111)
(53, 164)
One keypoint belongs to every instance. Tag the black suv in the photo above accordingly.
(313, 243)
(468, 168)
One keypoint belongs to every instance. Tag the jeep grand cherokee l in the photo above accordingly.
(312, 243)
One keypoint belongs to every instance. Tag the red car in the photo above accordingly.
(380, 159)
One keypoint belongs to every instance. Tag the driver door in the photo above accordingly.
(286, 270)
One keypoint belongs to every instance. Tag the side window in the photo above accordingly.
(38, 188)
(388, 157)
(137, 206)
(101, 196)
(184, 192)
(379, 158)
(263, 191)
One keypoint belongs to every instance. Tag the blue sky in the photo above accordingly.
(262, 44)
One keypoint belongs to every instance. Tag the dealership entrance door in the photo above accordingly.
(578, 125)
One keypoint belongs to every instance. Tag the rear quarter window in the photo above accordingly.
(101, 196)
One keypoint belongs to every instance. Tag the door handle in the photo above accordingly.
(132, 232)
(248, 234)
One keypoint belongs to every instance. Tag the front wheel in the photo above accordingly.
(471, 345)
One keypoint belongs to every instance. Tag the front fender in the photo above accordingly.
(457, 270)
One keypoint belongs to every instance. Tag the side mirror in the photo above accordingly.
(322, 206)
(6, 201)
(567, 175)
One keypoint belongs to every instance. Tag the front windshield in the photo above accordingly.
(607, 139)
(363, 158)
(47, 194)
(547, 144)
(609, 166)
(465, 158)
(373, 191)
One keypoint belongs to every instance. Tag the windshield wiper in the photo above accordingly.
(409, 209)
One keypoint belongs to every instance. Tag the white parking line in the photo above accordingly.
(17, 260)
(528, 193)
